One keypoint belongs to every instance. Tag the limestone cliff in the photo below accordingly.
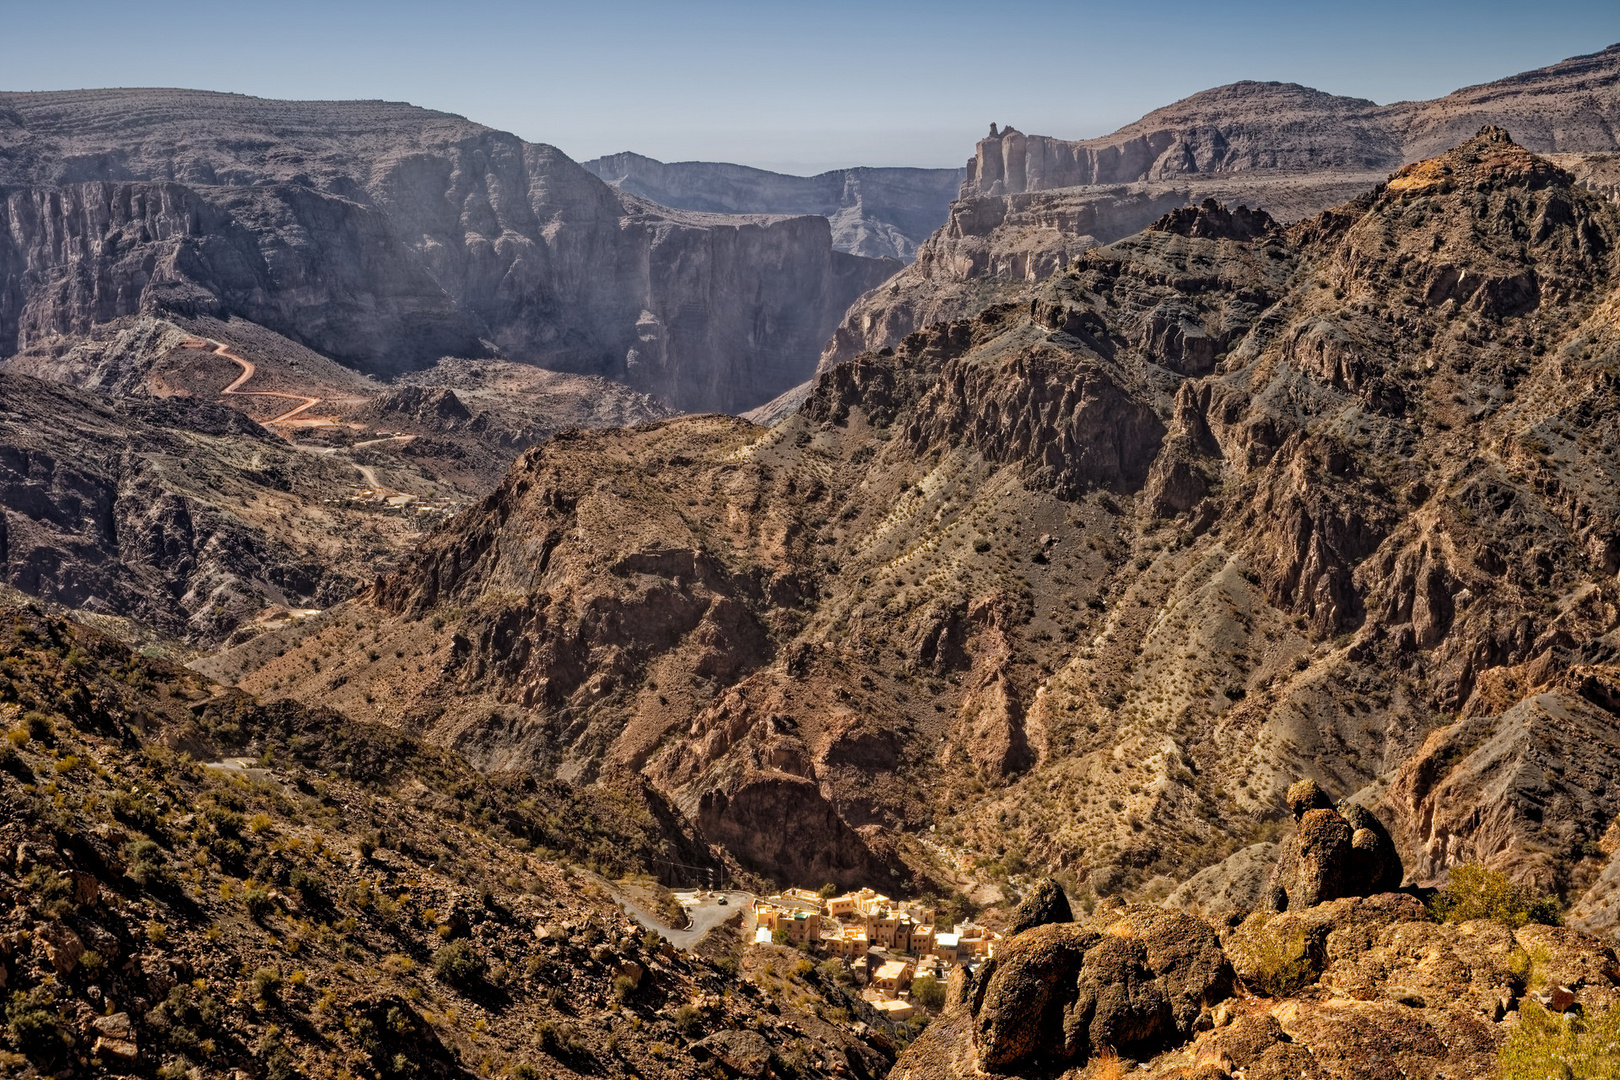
(387, 236)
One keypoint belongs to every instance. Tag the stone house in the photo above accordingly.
(893, 977)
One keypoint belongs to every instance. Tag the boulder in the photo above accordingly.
(1062, 992)
(1375, 864)
(1332, 854)
(1046, 903)
(115, 1038)
(1305, 796)
(744, 1053)
(61, 946)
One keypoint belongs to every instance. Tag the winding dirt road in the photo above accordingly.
(248, 369)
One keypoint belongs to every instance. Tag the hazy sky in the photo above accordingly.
(796, 87)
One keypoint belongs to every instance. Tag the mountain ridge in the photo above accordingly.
(875, 211)
(1198, 508)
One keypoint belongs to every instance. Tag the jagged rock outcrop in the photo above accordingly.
(387, 236)
(1044, 904)
(1331, 854)
(1060, 994)
(1354, 987)
(878, 213)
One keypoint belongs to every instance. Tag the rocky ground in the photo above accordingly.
(135, 489)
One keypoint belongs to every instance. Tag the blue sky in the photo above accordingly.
(796, 87)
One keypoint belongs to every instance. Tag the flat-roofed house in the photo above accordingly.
(802, 927)
(893, 976)
(880, 928)
(895, 1009)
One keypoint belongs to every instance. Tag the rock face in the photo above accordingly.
(1030, 204)
(878, 213)
(387, 236)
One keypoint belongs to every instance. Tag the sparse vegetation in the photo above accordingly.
(1545, 1046)
(1474, 892)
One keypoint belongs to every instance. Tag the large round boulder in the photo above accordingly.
(1057, 994)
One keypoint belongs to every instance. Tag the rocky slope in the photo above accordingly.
(197, 883)
(1029, 203)
(1354, 988)
(1084, 582)
(386, 236)
(134, 489)
(879, 213)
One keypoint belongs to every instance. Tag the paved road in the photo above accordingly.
(704, 916)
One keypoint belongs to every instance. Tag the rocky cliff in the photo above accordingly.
(386, 236)
(1086, 581)
(1029, 203)
(880, 213)
(1283, 127)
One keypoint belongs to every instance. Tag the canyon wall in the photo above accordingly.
(387, 236)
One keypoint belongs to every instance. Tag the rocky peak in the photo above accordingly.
(1209, 220)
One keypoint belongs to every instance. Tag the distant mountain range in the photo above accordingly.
(879, 213)
(1030, 203)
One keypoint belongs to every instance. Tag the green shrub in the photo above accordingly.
(561, 1040)
(258, 903)
(39, 726)
(623, 987)
(1545, 1046)
(929, 992)
(148, 866)
(267, 985)
(306, 884)
(50, 890)
(1279, 964)
(1477, 893)
(459, 964)
(687, 1020)
(186, 1019)
(36, 1028)
(136, 811)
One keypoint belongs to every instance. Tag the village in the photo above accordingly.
(889, 945)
